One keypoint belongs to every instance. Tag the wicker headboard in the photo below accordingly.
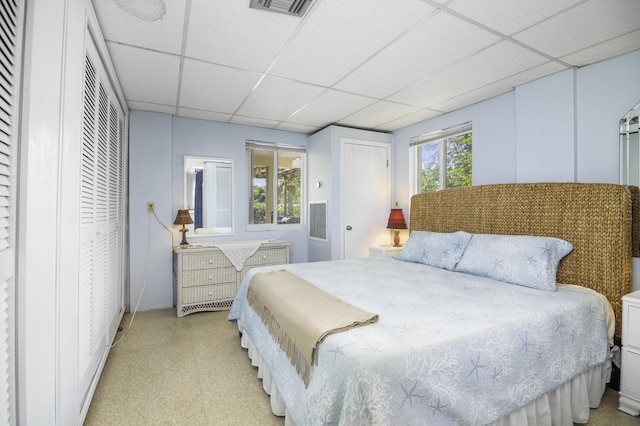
(596, 218)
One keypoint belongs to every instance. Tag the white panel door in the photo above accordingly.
(365, 196)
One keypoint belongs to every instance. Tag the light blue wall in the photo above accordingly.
(158, 143)
(545, 123)
(494, 151)
(563, 127)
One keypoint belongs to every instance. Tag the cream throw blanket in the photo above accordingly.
(299, 315)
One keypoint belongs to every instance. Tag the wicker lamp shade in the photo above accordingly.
(183, 218)
(396, 221)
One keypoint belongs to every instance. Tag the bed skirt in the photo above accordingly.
(568, 404)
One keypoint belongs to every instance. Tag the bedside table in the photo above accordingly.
(384, 251)
(630, 364)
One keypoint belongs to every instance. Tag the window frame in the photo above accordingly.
(415, 154)
(275, 148)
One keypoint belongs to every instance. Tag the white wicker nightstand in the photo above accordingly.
(630, 368)
(206, 280)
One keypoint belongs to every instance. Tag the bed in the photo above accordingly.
(451, 347)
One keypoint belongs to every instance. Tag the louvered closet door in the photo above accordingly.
(101, 221)
(10, 50)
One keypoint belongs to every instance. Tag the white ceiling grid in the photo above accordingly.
(373, 64)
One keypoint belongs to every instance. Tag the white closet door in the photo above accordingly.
(10, 52)
(100, 285)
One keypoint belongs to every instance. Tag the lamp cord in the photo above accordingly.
(146, 272)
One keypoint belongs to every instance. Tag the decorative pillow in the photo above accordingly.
(442, 250)
(517, 259)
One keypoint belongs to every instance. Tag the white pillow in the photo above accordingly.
(518, 259)
(442, 250)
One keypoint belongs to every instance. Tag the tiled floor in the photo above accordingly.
(192, 370)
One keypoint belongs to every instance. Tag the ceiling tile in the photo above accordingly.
(582, 26)
(423, 114)
(499, 87)
(144, 106)
(377, 114)
(213, 87)
(228, 32)
(494, 63)
(608, 49)
(203, 115)
(137, 71)
(329, 107)
(152, 25)
(277, 98)
(432, 46)
(300, 128)
(252, 121)
(508, 16)
(339, 35)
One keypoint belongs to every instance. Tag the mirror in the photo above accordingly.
(630, 148)
(208, 194)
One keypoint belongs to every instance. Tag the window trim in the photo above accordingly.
(275, 147)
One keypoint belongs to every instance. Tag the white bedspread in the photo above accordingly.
(448, 349)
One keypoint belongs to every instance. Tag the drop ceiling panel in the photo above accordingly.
(203, 115)
(587, 24)
(407, 120)
(300, 128)
(499, 87)
(213, 87)
(492, 64)
(145, 106)
(228, 32)
(434, 45)
(378, 114)
(277, 98)
(152, 25)
(253, 121)
(139, 76)
(329, 107)
(339, 35)
(509, 16)
(611, 48)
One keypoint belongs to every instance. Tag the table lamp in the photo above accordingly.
(396, 222)
(183, 218)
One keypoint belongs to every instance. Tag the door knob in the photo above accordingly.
(348, 227)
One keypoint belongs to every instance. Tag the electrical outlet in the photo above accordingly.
(151, 207)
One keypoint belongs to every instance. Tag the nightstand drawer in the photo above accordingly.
(208, 293)
(209, 276)
(212, 259)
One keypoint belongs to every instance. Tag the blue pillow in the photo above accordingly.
(517, 259)
(442, 250)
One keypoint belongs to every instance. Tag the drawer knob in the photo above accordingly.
(210, 277)
(210, 293)
(210, 260)
(264, 256)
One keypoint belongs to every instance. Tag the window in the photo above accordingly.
(275, 184)
(441, 159)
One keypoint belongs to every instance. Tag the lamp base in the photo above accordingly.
(396, 238)
(184, 236)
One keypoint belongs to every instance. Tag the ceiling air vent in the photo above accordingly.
(290, 7)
